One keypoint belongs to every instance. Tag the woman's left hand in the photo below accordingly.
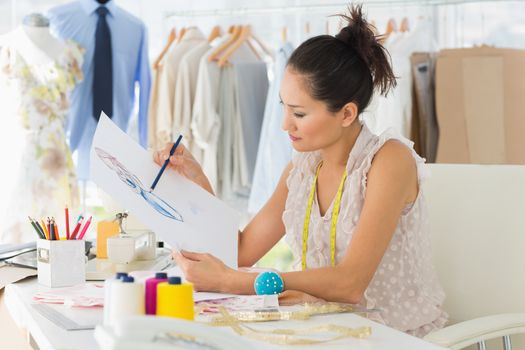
(292, 297)
(204, 271)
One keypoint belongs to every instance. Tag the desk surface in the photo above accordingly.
(47, 335)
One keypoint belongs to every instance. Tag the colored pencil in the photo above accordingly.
(52, 230)
(166, 162)
(41, 229)
(67, 222)
(34, 226)
(38, 228)
(48, 224)
(57, 235)
(45, 229)
(77, 227)
(85, 228)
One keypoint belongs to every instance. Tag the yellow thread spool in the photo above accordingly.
(175, 299)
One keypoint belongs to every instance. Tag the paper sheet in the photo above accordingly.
(12, 274)
(178, 211)
(142, 276)
(82, 295)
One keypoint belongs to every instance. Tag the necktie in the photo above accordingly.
(103, 70)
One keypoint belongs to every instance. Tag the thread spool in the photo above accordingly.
(126, 299)
(107, 294)
(175, 299)
(151, 291)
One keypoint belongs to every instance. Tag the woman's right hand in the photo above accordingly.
(184, 163)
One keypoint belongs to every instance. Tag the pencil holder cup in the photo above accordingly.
(61, 263)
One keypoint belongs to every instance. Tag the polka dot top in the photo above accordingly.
(404, 287)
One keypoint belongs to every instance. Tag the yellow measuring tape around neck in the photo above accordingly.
(335, 216)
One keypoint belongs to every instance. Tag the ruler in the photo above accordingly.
(60, 319)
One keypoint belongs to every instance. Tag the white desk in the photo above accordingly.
(18, 299)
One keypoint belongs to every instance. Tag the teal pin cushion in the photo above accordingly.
(268, 283)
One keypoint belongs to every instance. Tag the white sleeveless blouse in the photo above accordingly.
(404, 287)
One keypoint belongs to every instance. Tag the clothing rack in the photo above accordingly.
(301, 9)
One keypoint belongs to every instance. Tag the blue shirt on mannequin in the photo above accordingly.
(77, 21)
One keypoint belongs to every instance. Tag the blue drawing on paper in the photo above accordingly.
(136, 186)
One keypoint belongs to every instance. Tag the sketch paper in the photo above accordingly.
(180, 212)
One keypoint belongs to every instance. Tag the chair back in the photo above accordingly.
(477, 227)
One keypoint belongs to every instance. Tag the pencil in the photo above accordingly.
(40, 229)
(77, 227)
(45, 229)
(49, 229)
(52, 230)
(57, 235)
(85, 228)
(37, 227)
(67, 222)
(34, 226)
(166, 162)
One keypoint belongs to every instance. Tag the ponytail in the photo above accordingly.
(345, 68)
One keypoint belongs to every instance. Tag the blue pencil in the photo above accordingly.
(166, 162)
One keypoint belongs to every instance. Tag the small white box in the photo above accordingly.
(61, 263)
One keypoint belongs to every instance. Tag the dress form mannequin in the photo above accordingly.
(46, 47)
(38, 74)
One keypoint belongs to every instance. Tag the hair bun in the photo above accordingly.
(359, 35)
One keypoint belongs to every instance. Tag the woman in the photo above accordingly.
(350, 202)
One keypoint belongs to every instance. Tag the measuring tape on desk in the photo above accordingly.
(237, 320)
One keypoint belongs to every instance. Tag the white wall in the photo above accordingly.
(500, 23)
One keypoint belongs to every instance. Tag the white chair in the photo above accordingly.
(477, 219)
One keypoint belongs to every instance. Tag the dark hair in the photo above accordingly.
(345, 68)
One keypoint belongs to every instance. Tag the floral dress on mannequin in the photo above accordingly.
(40, 177)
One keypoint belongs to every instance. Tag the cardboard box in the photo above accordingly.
(479, 105)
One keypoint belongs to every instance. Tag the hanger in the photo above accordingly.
(246, 36)
(171, 38)
(243, 36)
(404, 26)
(254, 50)
(391, 27)
(181, 33)
(215, 33)
(261, 45)
(236, 32)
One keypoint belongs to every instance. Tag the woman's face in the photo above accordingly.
(310, 125)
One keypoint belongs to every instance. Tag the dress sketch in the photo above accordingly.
(136, 186)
